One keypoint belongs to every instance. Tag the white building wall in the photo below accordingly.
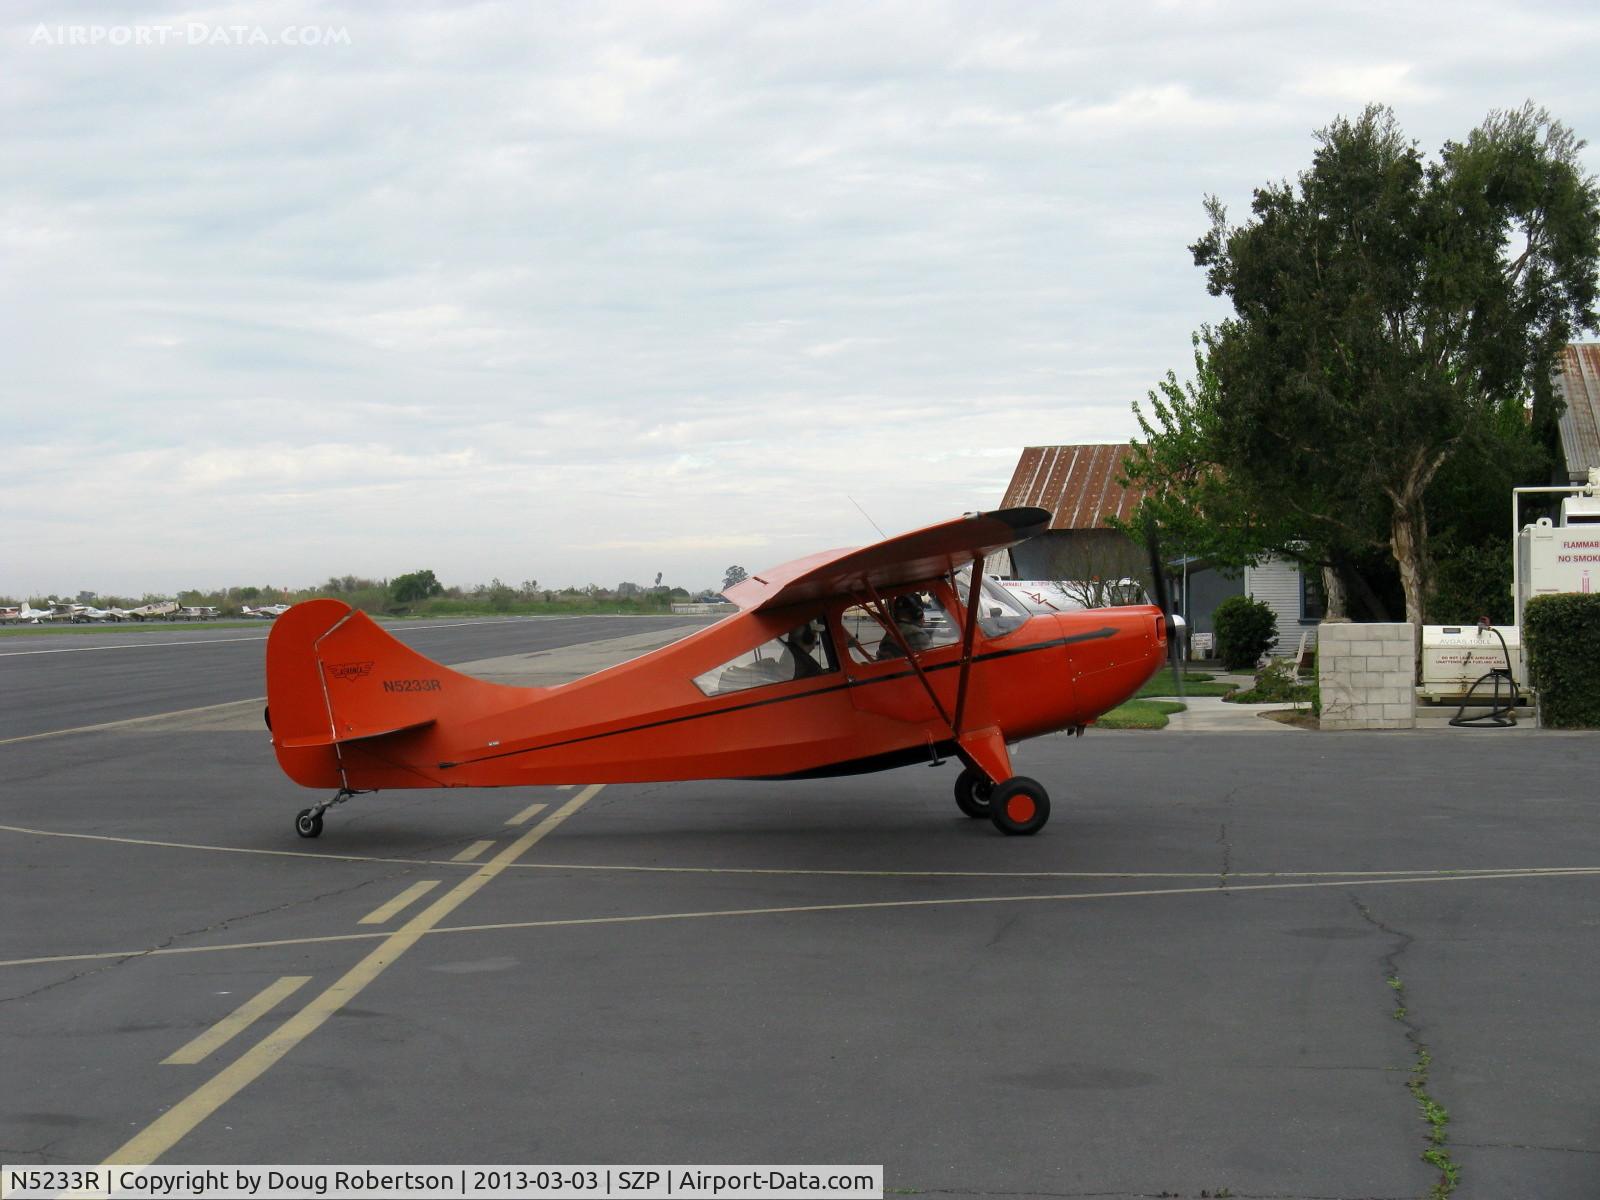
(1276, 583)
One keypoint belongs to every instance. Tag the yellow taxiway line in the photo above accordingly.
(472, 853)
(150, 1143)
(236, 1022)
(531, 811)
(386, 910)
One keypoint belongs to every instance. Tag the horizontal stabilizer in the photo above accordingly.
(328, 739)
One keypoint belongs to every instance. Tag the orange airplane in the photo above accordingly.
(841, 663)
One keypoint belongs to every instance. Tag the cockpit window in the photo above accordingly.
(999, 612)
(923, 623)
(799, 654)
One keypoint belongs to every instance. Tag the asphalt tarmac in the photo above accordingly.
(1232, 964)
(58, 681)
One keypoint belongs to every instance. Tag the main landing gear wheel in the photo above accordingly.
(973, 792)
(308, 823)
(1019, 806)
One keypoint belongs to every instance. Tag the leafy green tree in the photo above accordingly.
(418, 585)
(1389, 312)
(1207, 507)
(732, 576)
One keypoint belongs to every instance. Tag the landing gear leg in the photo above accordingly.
(308, 821)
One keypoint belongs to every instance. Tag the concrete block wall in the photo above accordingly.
(1367, 675)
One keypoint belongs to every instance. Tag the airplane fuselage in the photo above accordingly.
(646, 720)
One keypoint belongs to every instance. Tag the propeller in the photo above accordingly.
(1163, 599)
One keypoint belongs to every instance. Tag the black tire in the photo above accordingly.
(973, 792)
(308, 823)
(1020, 806)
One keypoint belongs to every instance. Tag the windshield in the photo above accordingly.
(999, 612)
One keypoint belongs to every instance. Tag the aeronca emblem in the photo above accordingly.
(349, 671)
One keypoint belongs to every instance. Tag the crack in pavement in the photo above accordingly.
(1526, 1146)
(1223, 841)
(1437, 1154)
(224, 923)
(42, 1153)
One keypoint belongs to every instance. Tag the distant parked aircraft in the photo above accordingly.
(27, 614)
(160, 610)
(267, 611)
(88, 612)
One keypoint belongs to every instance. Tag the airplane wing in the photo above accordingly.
(909, 558)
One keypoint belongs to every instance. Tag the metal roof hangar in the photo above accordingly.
(1078, 484)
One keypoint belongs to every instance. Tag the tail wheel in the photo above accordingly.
(973, 792)
(1019, 806)
(308, 823)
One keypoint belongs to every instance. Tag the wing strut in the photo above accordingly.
(881, 611)
(981, 750)
(967, 638)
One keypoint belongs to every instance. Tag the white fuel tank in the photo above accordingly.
(1454, 657)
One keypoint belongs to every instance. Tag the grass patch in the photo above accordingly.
(1140, 714)
(1193, 685)
(126, 627)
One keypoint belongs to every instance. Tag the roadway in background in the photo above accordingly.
(67, 680)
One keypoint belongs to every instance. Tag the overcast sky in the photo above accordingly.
(583, 292)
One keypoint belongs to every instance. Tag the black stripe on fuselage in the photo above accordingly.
(924, 753)
(1104, 631)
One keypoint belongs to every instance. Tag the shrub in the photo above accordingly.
(1276, 682)
(1245, 628)
(1562, 637)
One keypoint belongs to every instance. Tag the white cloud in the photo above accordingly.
(1359, 83)
(587, 293)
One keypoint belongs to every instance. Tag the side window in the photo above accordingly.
(923, 623)
(999, 612)
(1312, 605)
(799, 654)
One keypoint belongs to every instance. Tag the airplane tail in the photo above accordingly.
(338, 685)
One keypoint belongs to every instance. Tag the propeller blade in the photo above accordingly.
(1163, 599)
